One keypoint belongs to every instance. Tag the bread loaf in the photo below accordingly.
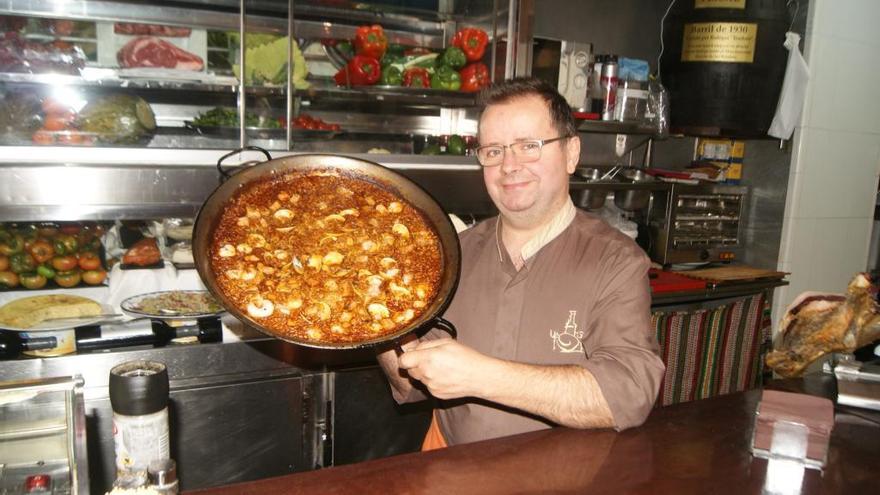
(28, 312)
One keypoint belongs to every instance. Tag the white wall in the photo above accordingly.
(836, 157)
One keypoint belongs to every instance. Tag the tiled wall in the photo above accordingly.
(836, 158)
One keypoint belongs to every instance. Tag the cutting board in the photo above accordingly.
(663, 281)
(733, 273)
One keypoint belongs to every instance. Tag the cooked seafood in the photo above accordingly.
(325, 257)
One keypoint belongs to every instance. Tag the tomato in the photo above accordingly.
(32, 280)
(41, 250)
(43, 138)
(47, 231)
(68, 240)
(89, 261)
(54, 106)
(11, 244)
(64, 263)
(68, 279)
(4, 262)
(22, 263)
(69, 138)
(55, 123)
(70, 229)
(8, 279)
(94, 277)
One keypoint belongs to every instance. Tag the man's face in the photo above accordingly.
(527, 193)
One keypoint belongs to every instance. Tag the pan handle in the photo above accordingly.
(440, 323)
(224, 174)
(446, 326)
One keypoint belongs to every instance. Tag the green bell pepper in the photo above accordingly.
(393, 55)
(453, 57)
(431, 149)
(391, 76)
(446, 77)
(456, 145)
(46, 271)
(345, 48)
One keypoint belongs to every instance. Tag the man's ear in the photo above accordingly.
(572, 153)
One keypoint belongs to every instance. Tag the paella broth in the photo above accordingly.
(325, 258)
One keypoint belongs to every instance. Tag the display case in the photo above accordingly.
(114, 109)
(114, 73)
(43, 436)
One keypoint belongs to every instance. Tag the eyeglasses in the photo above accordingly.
(492, 155)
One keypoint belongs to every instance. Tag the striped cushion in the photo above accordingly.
(713, 351)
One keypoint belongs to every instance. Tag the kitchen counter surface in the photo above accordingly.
(696, 447)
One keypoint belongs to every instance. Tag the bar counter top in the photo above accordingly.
(694, 447)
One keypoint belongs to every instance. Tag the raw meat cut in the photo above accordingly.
(817, 324)
(151, 29)
(148, 51)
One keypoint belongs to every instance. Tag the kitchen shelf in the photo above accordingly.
(111, 78)
(410, 27)
(614, 127)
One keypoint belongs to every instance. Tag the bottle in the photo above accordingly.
(595, 86)
(109, 336)
(609, 86)
(139, 399)
(145, 332)
(12, 344)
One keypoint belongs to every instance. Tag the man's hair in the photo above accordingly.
(505, 91)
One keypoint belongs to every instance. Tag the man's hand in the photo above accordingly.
(450, 370)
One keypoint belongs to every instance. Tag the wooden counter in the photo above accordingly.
(689, 448)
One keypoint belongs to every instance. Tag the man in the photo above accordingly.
(553, 305)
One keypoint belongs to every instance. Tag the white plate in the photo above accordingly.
(133, 306)
(67, 323)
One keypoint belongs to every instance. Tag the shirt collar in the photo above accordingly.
(550, 231)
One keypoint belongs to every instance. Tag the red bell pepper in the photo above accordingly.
(472, 42)
(370, 41)
(474, 77)
(361, 70)
(417, 77)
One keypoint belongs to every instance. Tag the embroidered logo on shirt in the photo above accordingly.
(569, 340)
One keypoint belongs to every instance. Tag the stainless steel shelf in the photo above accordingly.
(319, 90)
(614, 127)
(429, 33)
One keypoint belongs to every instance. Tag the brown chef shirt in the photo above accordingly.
(582, 298)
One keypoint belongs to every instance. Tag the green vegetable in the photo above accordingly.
(390, 59)
(426, 61)
(22, 262)
(446, 77)
(267, 63)
(119, 118)
(391, 76)
(456, 145)
(46, 271)
(345, 48)
(431, 149)
(226, 117)
(453, 57)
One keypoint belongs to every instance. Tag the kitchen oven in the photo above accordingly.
(692, 224)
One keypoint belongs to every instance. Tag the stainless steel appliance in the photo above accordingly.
(43, 436)
(697, 223)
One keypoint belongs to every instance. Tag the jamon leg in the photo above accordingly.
(819, 324)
